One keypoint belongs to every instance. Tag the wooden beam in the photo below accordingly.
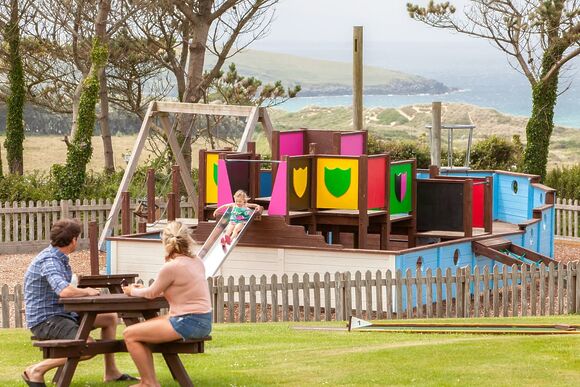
(357, 78)
(267, 125)
(128, 175)
(201, 108)
(436, 134)
(249, 129)
(480, 249)
(183, 168)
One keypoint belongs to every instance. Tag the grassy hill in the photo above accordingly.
(324, 77)
(405, 123)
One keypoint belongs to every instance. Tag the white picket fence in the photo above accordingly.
(30, 222)
(24, 227)
(567, 214)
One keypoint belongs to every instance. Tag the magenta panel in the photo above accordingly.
(351, 144)
(225, 194)
(291, 144)
(279, 192)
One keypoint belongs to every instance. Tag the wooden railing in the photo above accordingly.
(525, 291)
(567, 214)
(30, 222)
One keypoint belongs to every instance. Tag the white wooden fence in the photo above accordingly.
(24, 227)
(515, 291)
(30, 222)
(567, 214)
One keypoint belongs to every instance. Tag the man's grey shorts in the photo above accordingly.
(56, 328)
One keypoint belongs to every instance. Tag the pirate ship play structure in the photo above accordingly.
(330, 207)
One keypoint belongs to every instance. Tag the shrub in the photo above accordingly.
(401, 150)
(497, 153)
(566, 181)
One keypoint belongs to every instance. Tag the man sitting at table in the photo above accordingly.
(47, 278)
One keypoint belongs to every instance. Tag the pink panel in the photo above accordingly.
(291, 144)
(279, 192)
(224, 190)
(351, 144)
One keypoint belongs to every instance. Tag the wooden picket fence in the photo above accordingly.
(567, 214)
(513, 291)
(30, 222)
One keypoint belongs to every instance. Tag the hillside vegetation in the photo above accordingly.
(325, 77)
(404, 123)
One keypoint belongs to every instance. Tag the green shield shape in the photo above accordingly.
(337, 181)
(215, 173)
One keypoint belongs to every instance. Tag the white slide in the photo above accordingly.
(213, 253)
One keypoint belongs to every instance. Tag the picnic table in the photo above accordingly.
(88, 308)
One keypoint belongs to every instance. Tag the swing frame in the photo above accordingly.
(161, 110)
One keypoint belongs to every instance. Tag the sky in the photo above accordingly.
(332, 21)
(323, 29)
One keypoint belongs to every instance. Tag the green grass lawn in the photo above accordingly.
(275, 353)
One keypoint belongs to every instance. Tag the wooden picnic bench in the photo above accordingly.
(88, 308)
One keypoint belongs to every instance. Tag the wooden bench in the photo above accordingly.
(55, 349)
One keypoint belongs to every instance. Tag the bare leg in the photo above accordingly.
(230, 229)
(237, 230)
(137, 336)
(108, 324)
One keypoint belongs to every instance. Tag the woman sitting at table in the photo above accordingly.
(182, 282)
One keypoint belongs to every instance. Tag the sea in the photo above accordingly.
(478, 72)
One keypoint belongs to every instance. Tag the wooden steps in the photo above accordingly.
(269, 231)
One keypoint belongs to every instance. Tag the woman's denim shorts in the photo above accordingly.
(192, 326)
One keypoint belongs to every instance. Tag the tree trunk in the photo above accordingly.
(15, 102)
(541, 123)
(101, 33)
(193, 93)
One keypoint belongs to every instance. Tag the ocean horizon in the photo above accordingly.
(478, 73)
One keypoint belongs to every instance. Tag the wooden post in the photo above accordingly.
(175, 188)
(171, 206)
(357, 77)
(94, 247)
(150, 195)
(141, 226)
(433, 171)
(488, 205)
(125, 213)
(436, 134)
(468, 207)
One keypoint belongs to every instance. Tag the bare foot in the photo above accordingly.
(34, 375)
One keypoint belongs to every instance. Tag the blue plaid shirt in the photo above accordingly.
(48, 274)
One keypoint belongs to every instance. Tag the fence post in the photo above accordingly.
(125, 213)
(5, 306)
(64, 209)
(94, 247)
(150, 195)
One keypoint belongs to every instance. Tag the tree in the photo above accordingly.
(15, 98)
(179, 34)
(539, 36)
(70, 177)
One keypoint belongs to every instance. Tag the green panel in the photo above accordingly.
(398, 173)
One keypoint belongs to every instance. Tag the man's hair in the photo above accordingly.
(64, 231)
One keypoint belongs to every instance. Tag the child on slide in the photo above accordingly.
(239, 216)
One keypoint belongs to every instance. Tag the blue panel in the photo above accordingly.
(531, 239)
(476, 174)
(108, 260)
(512, 206)
(265, 183)
(539, 197)
(546, 232)
(422, 175)
(447, 253)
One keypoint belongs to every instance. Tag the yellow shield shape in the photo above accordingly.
(300, 180)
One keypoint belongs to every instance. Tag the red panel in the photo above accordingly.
(478, 203)
(376, 182)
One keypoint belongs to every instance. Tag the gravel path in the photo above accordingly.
(14, 266)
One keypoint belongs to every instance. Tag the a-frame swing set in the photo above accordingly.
(161, 110)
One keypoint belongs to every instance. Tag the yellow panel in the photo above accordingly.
(211, 193)
(342, 193)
